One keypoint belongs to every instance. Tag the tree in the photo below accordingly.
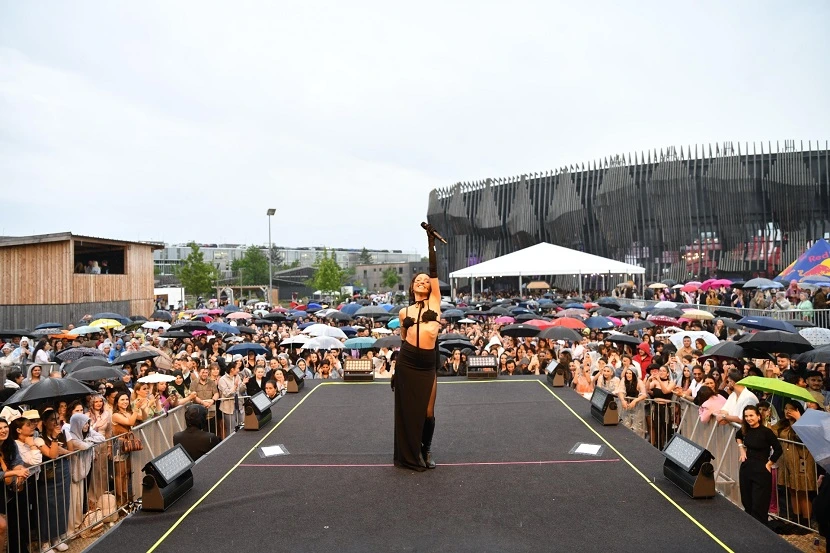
(196, 275)
(328, 276)
(276, 257)
(390, 278)
(365, 257)
(252, 267)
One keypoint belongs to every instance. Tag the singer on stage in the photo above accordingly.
(414, 381)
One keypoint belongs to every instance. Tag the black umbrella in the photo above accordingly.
(729, 323)
(667, 312)
(452, 336)
(798, 323)
(602, 311)
(452, 314)
(176, 334)
(637, 325)
(560, 333)
(391, 341)
(97, 372)
(83, 362)
(135, 357)
(818, 355)
(14, 333)
(246, 330)
(339, 316)
(526, 317)
(732, 350)
(160, 315)
(608, 302)
(452, 344)
(501, 311)
(276, 316)
(624, 339)
(519, 330)
(141, 318)
(777, 341)
(669, 281)
(189, 325)
(50, 388)
(621, 314)
(728, 313)
(71, 354)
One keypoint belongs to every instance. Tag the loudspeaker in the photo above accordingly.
(358, 370)
(482, 367)
(294, 380)
(257, 411)
(688, 467)
(166, 479)
(604, 407)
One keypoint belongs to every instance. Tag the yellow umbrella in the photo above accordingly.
(106, 323)
(657, 285)
(698, 314)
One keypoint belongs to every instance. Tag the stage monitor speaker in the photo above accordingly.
(604, 407)
(166, 479)
(482, 367)
(555, 374)
(257, 411)
(358, 370)
(294, 380)
(688, 466)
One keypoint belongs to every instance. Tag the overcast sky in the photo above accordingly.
(178, 121)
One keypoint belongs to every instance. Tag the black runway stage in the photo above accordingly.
(506, 481)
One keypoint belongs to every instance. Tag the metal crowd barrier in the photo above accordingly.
(819, 317)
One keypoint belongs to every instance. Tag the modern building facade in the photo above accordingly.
(731, 210)
(371, 276)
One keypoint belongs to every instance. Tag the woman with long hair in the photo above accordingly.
(123, 419)
(54, 487)
(15, 475)
(415, 380)
(755, 477)
(632, 391)
(82, 440)
(100, 419)
(798, 470)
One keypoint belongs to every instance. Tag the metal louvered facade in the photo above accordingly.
(724, 209)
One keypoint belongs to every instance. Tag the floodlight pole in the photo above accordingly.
(270, 213)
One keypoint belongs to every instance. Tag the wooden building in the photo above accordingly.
(47, 278)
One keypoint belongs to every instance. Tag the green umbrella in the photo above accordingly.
(775, 386)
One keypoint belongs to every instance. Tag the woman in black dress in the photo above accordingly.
(414, 381)
(755, 442)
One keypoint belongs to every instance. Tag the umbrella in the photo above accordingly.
(107, 323)
(608, 302)
(324, 330)
(729, 323)
(83, 330)
(567, 322)
(689, 288)
(600, 323)
(294, 340)
(71, 354)
(110, 315)
(453, 344)
(48, 325)
(84, 362)
(313, 307)
(798, 323)
(602, 311)
(155, 378)
(225, 328)
(816, 336)
(575, 313)
(504, 319)
(189, 325)
(819, 355)
(636, 325)
(323, 342)
(777, 341)
(624, 339)
(698, 314)
(134, 357)
(452, 314)
(370, 311)
(339, 316)
(45, 332)
(775, 386)
(560, 333)
(708, 337)
(381, 331)
(97, 372)
(162, 315)
(50, 388)
(64, 335)
(394, 323)
(665, 305)
(813, 428)
(276, 317)
(156, 325)
(538, 285)
(230, 308)
(766, 323)
(350, 308)
(162, 359)
(669, 281)
(176, 334)
(526, 317)
(663, 320)
(672, 312)
(238, 315)
(388, 342)
(519, 330)
(732, 350)
(244, 348)
(452, 336)
(657, 286)
(15, 333)
(466, 321)
(729, 313)
(762, 283)
(364, 342)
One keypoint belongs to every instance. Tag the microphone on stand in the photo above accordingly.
(433, 233)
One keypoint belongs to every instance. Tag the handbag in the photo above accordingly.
(129, 443)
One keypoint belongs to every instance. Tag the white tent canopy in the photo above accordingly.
(547, 259)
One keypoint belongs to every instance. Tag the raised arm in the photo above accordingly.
(435, 290)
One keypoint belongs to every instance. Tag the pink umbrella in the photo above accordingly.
(707, 284)
(504, 320)
(616, 321)
(722, 282)
(279, 310)
(663, 321)
(694, 283)
(575, 313)
(541, 323)
(689, 287)
(215, 312)
(238, 315)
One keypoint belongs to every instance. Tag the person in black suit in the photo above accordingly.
(194, 439)
(257, 383)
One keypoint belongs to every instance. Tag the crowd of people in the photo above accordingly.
(203, 371)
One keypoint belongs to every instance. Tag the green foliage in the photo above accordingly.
(365, 257)
(328, 276)
(196, 275)
(276, 257)
(390, 278)
(252, 267)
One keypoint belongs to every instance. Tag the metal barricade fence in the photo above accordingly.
(819, 317)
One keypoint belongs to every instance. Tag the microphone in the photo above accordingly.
(433, 233)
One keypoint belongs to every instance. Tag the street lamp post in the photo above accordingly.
(270, 214)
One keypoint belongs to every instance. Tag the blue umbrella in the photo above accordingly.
(230, 308)
(387, 306)
(348, 330)
(107, 315)
(813, 427)
(766, 323)
(350, 308)
(305, 325)
(394, 323)
(364, 342)
(223, 327)
(243, 349)
(599, 323)
(296, 313)
(48, 325)
(575, 306)
(313, 307)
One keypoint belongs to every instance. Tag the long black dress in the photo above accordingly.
(415, 374)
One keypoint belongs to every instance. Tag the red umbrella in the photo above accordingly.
(541, 323)
(689, 288)
(663, 320)
(568, 322)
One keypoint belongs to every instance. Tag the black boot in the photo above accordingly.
(426, 442)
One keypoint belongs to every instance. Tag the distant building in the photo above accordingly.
(371, 276)
(62, 277)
